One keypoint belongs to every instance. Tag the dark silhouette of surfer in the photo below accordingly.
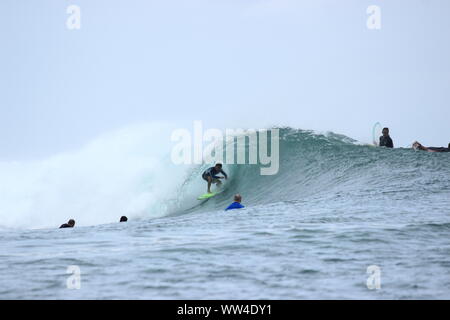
(69, 224)
(385, 139)
(418, 146)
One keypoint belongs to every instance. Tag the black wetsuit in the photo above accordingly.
(65, 225)
(439, 149)
(213, 173)
(386, 142)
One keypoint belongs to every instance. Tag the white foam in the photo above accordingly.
(126, 172)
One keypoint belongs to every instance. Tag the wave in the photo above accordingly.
(129, 172)
(330, 167)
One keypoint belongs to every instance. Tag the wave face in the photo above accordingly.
(130, 172)
(331, 169)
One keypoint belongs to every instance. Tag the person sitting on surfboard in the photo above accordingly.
(417, 145)
(236, 204)
(211, 175)
(385, 139)
(69, 224)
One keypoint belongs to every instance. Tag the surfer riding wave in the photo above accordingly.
(211, 175)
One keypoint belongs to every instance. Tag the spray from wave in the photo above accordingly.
(127, 172)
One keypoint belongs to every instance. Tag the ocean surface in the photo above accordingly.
(335, 209)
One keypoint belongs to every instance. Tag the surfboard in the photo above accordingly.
(376, 130)
(207, 196)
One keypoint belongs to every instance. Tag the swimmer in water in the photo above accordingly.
(416, 145)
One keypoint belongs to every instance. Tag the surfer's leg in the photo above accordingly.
(209, 184)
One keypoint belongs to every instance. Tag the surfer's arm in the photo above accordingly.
(225, 175)
(421, 147)
(390, 143)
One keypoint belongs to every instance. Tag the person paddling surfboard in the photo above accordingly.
(211, 175)
(417, 146)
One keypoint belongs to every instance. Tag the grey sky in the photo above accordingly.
(249, 63)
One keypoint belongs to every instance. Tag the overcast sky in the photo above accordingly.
(231, 63)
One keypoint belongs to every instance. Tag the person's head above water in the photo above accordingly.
(123, 219)
(236, 204)
(218, 166)
(448, 145)
(385, 132)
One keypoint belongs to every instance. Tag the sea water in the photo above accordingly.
(339, 221)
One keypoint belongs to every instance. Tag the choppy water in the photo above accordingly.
(310, 232)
